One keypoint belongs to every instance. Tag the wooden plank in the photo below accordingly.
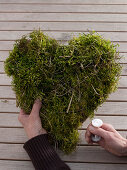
(8, 45)
(119, 122)
(13, 135)
(12, 165)
(3, 55)
(94, 154)
(119, 95)
(124, 58)
(82, 140)
(53, 17)
(123, 81)
(67, 2)
(61, 17)
(18, 135)
(7, 92)
(59, 8)
(107, 108)
(13, 35)
(112, 108)
(11, 120)
(2, 67)
(27, 165)
(8, 106)
(64, 26)
(96, 166)
(5, 80)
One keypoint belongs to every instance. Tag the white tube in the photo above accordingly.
(96, 123)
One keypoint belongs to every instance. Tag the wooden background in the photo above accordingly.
(61, 19)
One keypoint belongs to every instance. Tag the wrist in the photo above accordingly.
(32, 133)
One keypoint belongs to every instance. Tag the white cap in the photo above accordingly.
(97, 122)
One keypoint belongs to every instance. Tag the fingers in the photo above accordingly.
(36, 107)
(105, 128)
(22, 116)
(96, 131)
(88, 137)
(108, 127)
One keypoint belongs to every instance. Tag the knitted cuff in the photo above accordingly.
(43, 155)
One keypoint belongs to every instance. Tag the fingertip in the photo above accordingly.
(91, 128)
(38, 100)
(36, 106)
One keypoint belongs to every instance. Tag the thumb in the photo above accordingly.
(36, 107)
(98, 131)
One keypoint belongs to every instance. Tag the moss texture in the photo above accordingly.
(71, 80)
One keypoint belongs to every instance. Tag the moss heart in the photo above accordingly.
(71, 80)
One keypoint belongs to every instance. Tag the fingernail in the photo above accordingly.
(91, 128)
(37, 101)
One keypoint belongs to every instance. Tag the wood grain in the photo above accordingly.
(119, 122)
(27, 165)
(8, 106)
(94, 154)
(14, 35)
(12, 165)
(8, 45)
(59, 8)
(18, 135)
(5, 80)
(107, 108)
(64, 26)
(67, 2)
(53, 17)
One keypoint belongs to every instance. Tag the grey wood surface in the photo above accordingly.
(26, 165)
(62, 19)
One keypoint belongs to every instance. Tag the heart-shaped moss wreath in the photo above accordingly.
(71, 80)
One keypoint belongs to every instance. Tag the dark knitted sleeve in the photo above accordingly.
(43, 155)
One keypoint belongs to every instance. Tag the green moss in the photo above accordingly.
(71, 80)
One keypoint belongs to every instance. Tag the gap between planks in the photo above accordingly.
(16, 12)
(32, 3)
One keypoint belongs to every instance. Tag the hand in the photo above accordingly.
(111, 140)
(32, 122)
